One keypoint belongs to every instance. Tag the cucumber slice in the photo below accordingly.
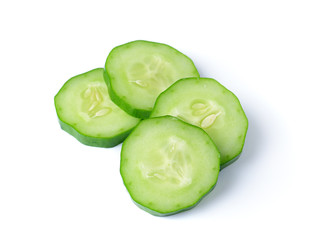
(84, 110)
(168, 165)
(204, 102)
(137, 72)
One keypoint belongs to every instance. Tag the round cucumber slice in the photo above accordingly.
(168, 165)
(84, 110)
(204, 102)
(137, 72)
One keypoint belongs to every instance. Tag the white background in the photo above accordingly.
(53, 187)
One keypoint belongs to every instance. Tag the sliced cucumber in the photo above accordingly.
(206, 103)
(85, 111)
(137, 72)
(168, 165)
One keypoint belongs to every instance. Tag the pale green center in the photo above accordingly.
(151, 73)
(199, 112)
(173, 164)
(94, 102)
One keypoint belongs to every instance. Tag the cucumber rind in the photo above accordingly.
(94, 141)
(162, 214)
(124, 105)
(182, 209)
(226, 164)
(234, 158)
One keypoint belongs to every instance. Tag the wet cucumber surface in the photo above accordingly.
(168, 165)
(204, 102)
(85, 111)
(137, 72)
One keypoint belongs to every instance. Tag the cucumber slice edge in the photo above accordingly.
(93, 141)
(166, 214)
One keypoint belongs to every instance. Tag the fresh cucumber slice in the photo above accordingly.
(204, 102)
(137, 72)
(168, 165)
(85, 111)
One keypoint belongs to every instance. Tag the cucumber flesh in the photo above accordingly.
(204, 102)
(168, 165)
(85, 110)
(137, 72)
